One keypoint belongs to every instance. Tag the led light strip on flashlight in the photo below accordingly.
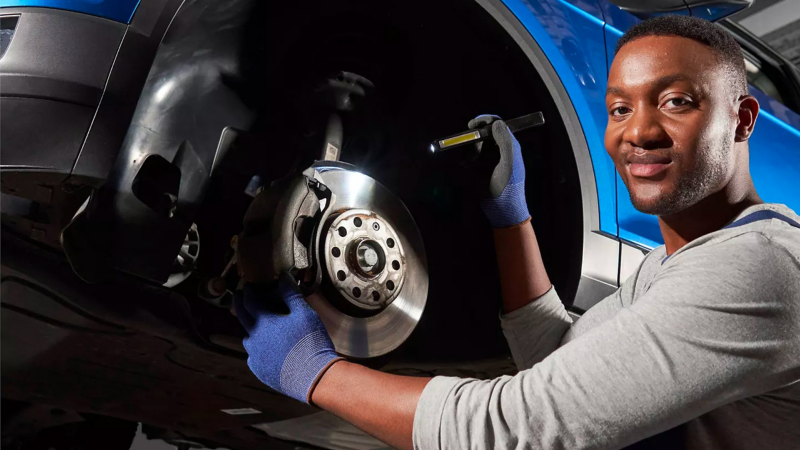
(482, 134)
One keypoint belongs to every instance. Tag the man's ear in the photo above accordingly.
(748, 112)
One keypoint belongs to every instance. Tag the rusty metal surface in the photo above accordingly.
(367, 284)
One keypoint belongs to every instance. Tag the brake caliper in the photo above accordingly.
(281, 230)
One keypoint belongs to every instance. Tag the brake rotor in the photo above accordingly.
(375, 259)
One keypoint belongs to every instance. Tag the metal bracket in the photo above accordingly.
(323, 194)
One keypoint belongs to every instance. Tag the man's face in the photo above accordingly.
(672, 121)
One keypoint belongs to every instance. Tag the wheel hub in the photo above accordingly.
(365, 259)
(369, 257)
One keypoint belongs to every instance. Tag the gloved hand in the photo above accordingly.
(288, 351)
(506, 204)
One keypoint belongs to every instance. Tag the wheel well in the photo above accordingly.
(435, 66)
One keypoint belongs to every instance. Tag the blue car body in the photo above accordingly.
(578, 38)
(116, 10)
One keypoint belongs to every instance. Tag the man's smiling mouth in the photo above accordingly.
(647, 165)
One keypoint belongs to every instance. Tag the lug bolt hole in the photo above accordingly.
(336, 252)
(390, 243)
(342, 231)
(357, 221)
(341, 275)
(376, 295)
(396, 265)
(356, 292)
(390, 285)
(376, 226)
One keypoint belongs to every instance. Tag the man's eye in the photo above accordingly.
(677, 102)
(620, 111)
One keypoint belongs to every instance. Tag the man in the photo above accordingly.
(699, 348)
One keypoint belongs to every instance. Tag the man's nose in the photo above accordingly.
(643, 130)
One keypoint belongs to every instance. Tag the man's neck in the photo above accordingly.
(706, 216)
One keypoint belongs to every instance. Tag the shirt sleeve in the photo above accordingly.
(714, 327)
(535, 330)
(538, 328)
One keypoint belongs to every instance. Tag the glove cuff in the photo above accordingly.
(319, 377)
(509, 209)
(304, 363)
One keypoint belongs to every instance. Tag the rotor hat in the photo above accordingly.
(365, 259)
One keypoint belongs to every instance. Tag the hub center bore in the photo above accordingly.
(367, 258)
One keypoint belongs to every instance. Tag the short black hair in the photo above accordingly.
(727, 50)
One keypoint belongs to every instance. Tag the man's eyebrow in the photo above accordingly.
(614, 90)
(666, 80)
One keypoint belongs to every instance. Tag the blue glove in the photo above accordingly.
(506, 205)
(288, 350)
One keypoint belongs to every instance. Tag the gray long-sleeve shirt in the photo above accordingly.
(704, 343)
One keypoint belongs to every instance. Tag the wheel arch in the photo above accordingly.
(600, 257)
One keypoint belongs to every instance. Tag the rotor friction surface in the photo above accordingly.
(366, 337)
